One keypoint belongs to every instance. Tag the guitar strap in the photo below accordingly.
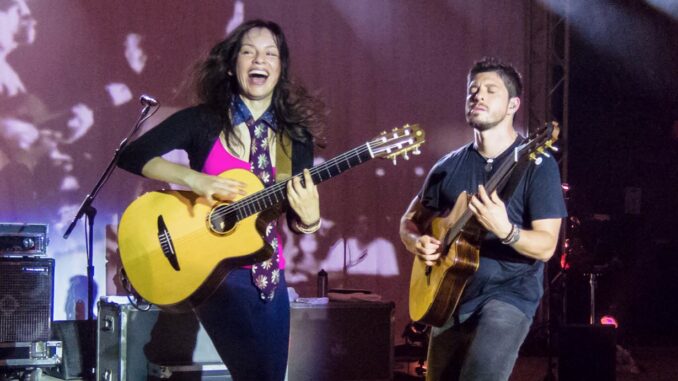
(516, 175)
(283, 158)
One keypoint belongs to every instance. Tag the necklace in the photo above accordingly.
(488, 164)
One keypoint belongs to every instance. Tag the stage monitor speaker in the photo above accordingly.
(26, 298)
(341, 341)
(129, 340)
(587, 353)
(78, 338)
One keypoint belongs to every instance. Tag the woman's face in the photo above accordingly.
(258, 65)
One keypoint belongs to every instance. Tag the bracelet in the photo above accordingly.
(308, 229)
(513, 236)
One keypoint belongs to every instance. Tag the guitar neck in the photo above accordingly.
(277, 193)
(496, 183)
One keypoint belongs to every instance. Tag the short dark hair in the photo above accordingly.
(507, 73)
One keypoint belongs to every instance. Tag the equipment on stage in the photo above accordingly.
(435, 290)
(30, 354)
(26, 299)
(87, 208)
(333, 341)
(18, 239)
(415, 348)
(131, 339)
(341, 341)
(79, 346)
(189, 246)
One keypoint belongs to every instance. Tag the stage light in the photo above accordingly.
(609, 320)
(669, 7)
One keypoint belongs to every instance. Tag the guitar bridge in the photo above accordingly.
(165, 240)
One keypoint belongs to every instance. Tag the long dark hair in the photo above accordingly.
(299, 115)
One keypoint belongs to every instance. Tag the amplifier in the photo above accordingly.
(26, 303)
(23, 239)
(341, 341)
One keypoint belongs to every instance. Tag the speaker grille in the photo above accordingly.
(26, 286)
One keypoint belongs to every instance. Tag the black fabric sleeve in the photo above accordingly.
(544, 198)
(175, 132)
(302, 157)
(431, 195)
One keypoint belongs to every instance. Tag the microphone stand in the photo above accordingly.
(90, 212)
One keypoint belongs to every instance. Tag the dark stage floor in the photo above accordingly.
(652, 364)
(643, 363)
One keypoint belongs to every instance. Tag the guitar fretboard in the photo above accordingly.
(277, 193)
(501, 177)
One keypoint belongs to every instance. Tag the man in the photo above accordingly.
(481, 340)
(17, 27)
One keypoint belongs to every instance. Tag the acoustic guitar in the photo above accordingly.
(435, 290)
(175, 248)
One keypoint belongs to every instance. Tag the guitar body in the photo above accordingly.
(435, 290)
(203, 257)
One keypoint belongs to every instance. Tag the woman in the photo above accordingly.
(250, 116)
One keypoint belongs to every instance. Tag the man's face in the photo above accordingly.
(488, 102)
(17, 25)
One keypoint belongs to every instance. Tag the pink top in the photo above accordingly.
(220, 160)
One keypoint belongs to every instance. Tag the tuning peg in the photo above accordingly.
(406, 156)
(395, 160)
(416, 151)
(553, 148)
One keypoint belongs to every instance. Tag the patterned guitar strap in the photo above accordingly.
(266, 274)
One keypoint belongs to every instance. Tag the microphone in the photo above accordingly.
(147, 100)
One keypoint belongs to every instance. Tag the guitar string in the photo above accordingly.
(535, 140)
(257, 197)
(198, 233)
(248, 202)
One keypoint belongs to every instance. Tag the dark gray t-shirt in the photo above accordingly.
(503, 274)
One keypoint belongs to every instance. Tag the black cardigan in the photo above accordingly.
(194, 130)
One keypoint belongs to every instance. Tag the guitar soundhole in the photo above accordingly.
(221, 220)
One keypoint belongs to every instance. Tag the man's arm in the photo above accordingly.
(537, 243)
(412, 225)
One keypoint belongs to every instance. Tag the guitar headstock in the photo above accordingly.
(540, 142)
(398, 142)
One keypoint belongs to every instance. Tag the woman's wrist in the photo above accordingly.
(307, 228)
